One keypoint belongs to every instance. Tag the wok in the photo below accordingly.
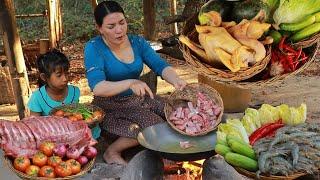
(162, 139)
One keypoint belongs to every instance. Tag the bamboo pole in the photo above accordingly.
(13, 50)
(51, 20)
(173, 12)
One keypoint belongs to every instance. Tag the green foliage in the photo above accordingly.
(78, 20)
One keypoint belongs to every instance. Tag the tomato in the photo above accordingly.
(47, 171)
(75, 166)
(88, 120)
(59, 113)
(67, 114)
(54, 161)
(97, 114)
(63, 169)
(47, 148)
(72, 118)
(78, 116)
(39, 159)
(32, 170)
(21, 163)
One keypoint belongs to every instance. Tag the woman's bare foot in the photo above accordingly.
(113, 157)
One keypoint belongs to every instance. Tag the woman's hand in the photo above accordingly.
(140, 88)
(180, 84)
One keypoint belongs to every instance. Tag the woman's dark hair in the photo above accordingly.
(51, 61)
(104, 8)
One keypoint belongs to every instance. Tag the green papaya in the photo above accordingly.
(221, 6)
(249, 9)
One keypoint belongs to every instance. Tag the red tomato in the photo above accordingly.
(21, 163)
(39, 159)
(63, 169)
(47, 171)
(97, 114)
(78, 116)
(75, 166)
(47, 148)
(59, 113)
(54, 161)
(32, 170)
(72, 118)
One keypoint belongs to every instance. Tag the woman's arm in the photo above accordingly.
(170, 75)
(108, 88)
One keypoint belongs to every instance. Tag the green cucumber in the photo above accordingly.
(317, 16)
(242, 149)
(222, 142)
(239, 160)
(235, 138)
(306, 32)
(299, 25)
(222, 149)
(276, 36)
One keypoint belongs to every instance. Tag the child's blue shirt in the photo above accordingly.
(42, 103)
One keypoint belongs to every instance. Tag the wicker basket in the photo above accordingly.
(189, 93)
(22, 175)
(6, 97)
(308, 42)
(253, 175)
(74, 106)
(221, 74)
(278, 79)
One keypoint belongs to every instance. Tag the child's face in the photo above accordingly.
(58, 79)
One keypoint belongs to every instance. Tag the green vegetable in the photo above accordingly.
(317, 16)
(241, 148)
(276, 36)
(306, 32)
(222, 149)
(299, 25)
(223, 142)
(239, 160)
(234, 127)
(221, 6)
(235, 138)
(292, 11)
(248, 10)
(291, 115)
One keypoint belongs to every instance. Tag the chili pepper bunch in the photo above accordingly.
(267, 130)
(286, 59)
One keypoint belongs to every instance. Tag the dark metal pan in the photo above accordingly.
(162, 139)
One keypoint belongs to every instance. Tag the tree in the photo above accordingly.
(14, 55)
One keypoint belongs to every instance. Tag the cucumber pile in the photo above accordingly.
(237, 153)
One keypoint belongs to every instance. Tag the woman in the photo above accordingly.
(114, 62)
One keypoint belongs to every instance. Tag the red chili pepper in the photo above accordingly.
(282, 42)
(289, 48)
(264, 130)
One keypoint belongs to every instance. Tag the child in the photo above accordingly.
(53, 89)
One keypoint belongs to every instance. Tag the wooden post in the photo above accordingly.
(60, 20)
(51, 20)
(13, 50)
(56, 19)
(94, 3)
(173, 12)
(149, 14)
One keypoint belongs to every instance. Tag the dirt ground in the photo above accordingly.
(293, 91)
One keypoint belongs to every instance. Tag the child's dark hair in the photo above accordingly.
(51, 61)
(104, 8)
